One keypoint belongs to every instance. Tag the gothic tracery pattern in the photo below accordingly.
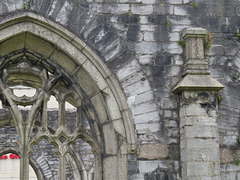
(37, 122)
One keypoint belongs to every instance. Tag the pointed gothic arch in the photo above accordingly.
(42, 44)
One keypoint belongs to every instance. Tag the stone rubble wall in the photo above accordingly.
(138, 41)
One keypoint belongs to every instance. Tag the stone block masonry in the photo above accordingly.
(199, 135)
(199, 146)
(138, 42)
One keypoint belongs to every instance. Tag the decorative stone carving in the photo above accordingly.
(46, 45)
(25, 72)
(196, 75)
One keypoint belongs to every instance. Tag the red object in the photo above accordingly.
(4, 157)
(11, 156)
(14, 156)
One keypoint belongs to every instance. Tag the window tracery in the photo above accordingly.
(27, 88)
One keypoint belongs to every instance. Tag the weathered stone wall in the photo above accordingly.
(138, 41)
(220, 18)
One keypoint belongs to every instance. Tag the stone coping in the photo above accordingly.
(194, 32)
(198, 83)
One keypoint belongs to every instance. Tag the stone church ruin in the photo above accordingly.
(119, 89)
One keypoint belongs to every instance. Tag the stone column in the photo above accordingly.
(198, 112)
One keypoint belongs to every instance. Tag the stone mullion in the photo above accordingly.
(62, 147)
(79, 118)
(62, 167)
(61, 116)
(24, 162)
(44, 113)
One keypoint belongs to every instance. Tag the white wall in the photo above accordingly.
(10, 169)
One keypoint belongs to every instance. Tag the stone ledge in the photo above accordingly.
(198, 83)
(194, 32)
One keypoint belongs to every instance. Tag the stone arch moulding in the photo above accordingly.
(28, 34)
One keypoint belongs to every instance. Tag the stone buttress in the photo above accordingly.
(198, 112)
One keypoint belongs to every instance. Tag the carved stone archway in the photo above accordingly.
(39, 54)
